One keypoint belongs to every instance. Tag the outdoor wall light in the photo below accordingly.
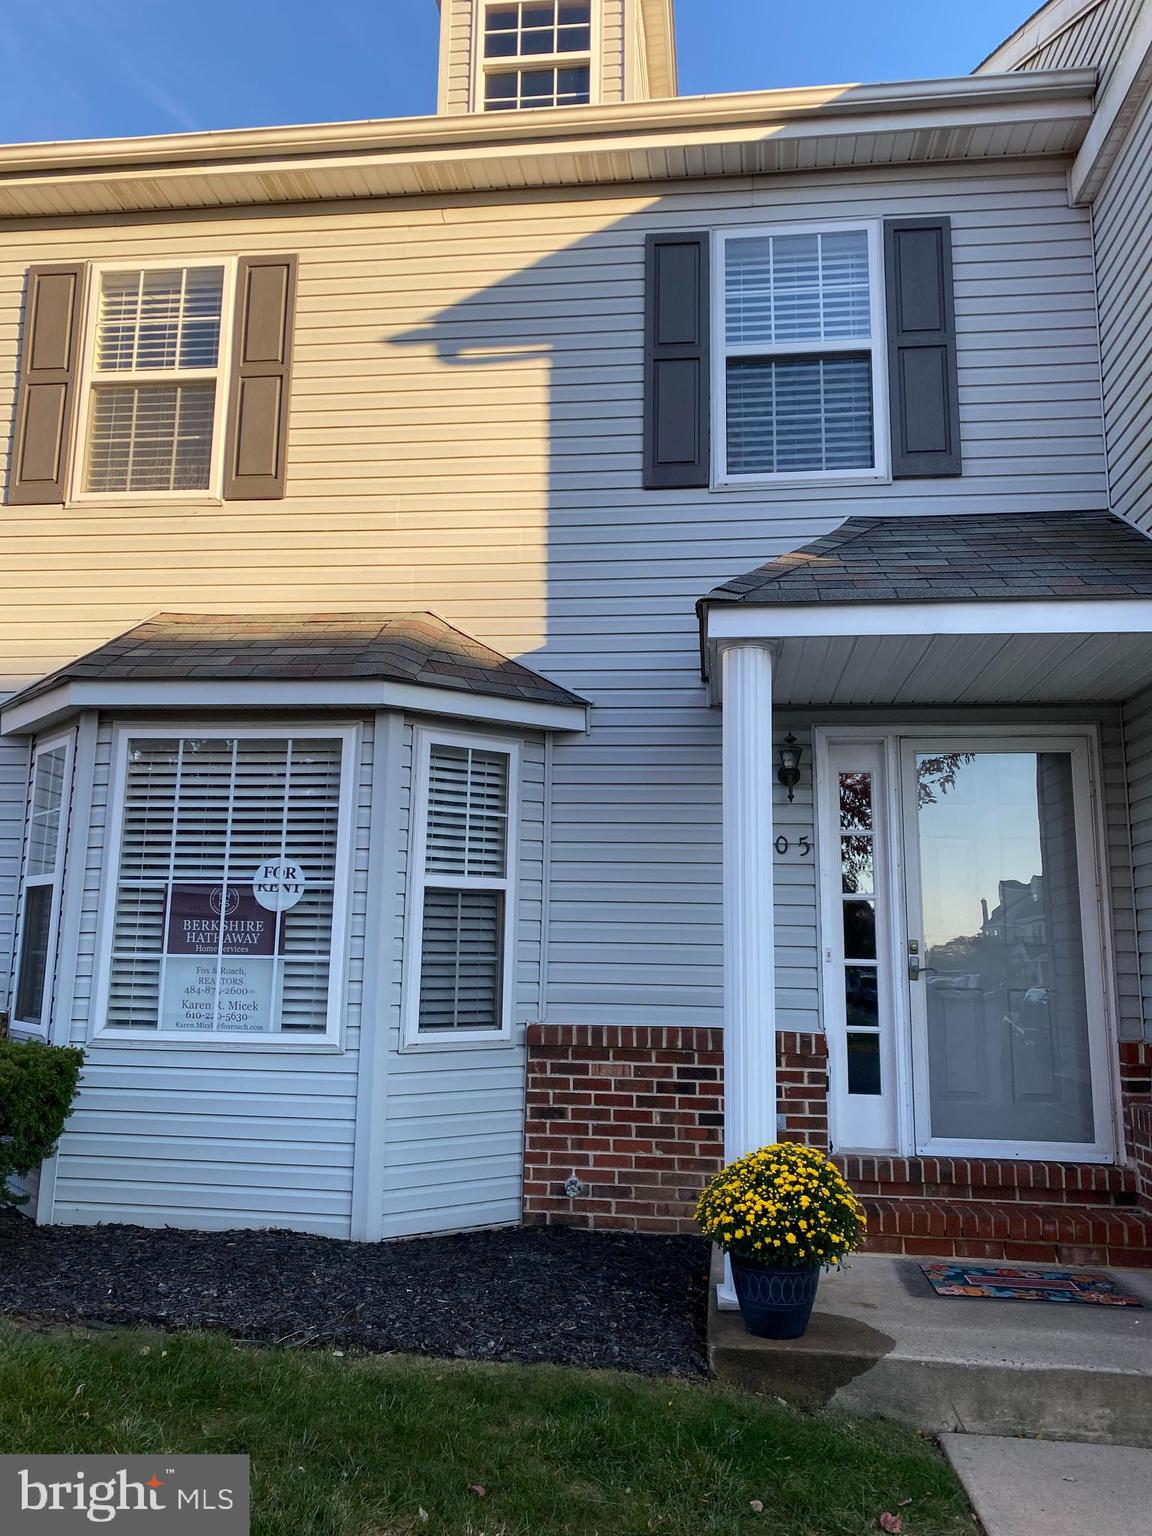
(789, 770)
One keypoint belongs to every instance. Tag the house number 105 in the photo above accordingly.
(803, 843)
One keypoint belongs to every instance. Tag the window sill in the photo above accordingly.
(137, 499)
(800, 482)
(458, 1041)
(263, 1044)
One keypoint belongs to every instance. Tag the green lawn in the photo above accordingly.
(345, 1446)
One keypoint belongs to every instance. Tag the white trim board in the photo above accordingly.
(1092, 832)
(786, 621)
(174, 694)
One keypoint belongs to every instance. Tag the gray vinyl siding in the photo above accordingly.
(466, 437)
(203, 1137)
(1123, 227)
(1138, 750)
(1094, 37)
(454, 1117)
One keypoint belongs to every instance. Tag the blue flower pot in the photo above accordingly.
(775, 1303)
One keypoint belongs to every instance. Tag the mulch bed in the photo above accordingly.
(614, 1299)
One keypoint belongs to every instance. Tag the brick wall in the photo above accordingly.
(636, 1114)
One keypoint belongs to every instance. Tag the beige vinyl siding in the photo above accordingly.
(612, 22)
(454, 1118)
(204, 1137)
(1123, 225)
(457, 55)
(1094, 36)
(465, 437)
(635, 56)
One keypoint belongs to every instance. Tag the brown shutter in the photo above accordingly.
(676, 383)
(257, 437)
(44, 401)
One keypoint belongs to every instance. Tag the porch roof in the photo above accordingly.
(988, 608)
(293, 660)
(1025, 557)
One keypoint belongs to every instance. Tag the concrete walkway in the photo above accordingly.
(881, 1344)
(1053, 1488)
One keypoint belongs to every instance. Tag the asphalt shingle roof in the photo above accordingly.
(228, 647)
(1026, 556)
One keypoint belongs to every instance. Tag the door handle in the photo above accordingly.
(915, 969)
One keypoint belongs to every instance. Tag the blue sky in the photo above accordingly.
(81, 69)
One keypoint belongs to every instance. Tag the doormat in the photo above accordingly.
(1002, 1283)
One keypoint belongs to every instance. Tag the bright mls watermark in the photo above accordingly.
(147, 1495)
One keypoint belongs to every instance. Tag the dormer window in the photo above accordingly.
(537, 54)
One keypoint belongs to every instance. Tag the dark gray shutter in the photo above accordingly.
(257, 437)
(921, 348)
(676, 383)
(42, 437)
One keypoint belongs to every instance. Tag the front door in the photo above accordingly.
(990, 1018)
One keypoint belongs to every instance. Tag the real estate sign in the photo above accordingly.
(229, 977)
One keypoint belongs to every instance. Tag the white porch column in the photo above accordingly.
(749, 935)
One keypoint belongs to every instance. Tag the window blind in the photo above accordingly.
(798, 373)
(146, 435)
(463, 907)
(788, 288)
(149, 437)
(42, 869)
(159, 319)
(202, 815)
(791, 415)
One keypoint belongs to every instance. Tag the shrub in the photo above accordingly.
(37, 1086)
(783, 1205)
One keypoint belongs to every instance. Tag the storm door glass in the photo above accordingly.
(858, 906)
(1005, 1002)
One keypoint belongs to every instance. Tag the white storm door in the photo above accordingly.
(862, 1011)
(1010, 1023)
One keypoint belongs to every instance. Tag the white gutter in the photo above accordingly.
(561, 129)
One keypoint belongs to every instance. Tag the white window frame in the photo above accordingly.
(482, 67)
(412, 1036)
(332, 1037)
(40, 1029)
(88, 379)
(876, 345)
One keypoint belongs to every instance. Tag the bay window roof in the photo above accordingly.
(415, 661)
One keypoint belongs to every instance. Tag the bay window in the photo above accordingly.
(45, 836)
(226, 915)
(800, 365)
(458, 974)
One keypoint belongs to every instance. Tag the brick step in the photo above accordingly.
(1009, 1230)
(974, 1178)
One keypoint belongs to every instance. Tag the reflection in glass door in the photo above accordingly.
(1007, 1003)
(857, 912)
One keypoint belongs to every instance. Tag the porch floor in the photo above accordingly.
(881, 1344)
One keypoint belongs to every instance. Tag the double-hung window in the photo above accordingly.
(153, 386)
(462, 887)
(45, 835)
(800, 360)
(226, 915)
(536, 53)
